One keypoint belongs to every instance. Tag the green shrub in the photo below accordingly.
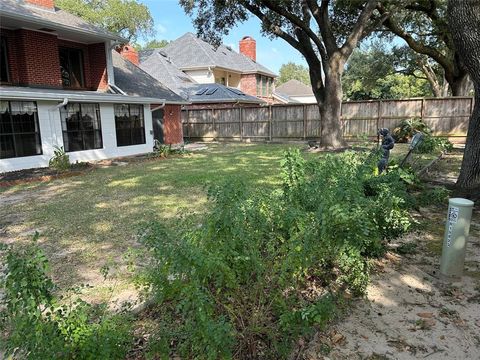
(432, 144)
(38, 326)
(255, 274)
(434, 196)
(60, 160)
(409, 127)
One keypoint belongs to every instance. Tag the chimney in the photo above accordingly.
(49, 4)
(128, 52)
(248, 47)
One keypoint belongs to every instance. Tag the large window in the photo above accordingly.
(264, 86)
(71, 67)
(259, 85)
(129, 124)
(81, 126)
(4, 60)
(19, 131)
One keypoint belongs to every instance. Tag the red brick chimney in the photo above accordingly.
(248, 47)
(50, 4)
(128, 52)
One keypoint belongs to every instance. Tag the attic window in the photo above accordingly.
(201, 91)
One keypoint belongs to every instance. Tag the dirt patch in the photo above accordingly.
(411, 311)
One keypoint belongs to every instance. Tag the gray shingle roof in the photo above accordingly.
(135, 81)
(158, 65)
(19, 8)
(188, 51)
(294, 88)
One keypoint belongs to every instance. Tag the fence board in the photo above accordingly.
(446, 117)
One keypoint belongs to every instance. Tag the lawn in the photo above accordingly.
(93, 219)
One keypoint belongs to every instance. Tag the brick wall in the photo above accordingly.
(33, 60)
(44, 3)
(248, 84)
(172, 124)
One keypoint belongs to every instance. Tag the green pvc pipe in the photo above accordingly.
(457, 228)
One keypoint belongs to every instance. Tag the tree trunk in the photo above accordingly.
(464, 22)
(460, 85)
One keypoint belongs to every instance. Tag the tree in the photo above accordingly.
(153, 44)
(375, 73)
(423, 26)
(291, 71)
(464, 23)
(128, 18)
(325, 32)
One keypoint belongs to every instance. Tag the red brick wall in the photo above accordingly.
(33, 60)
(248, 84)
(45, 3)
(172, 124)
(128, 52)
(37, 57)
(248, 47)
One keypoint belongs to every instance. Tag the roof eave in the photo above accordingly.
(54, 25)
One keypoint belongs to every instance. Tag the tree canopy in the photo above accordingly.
(291, 71)
(153, 44)
(129, 18)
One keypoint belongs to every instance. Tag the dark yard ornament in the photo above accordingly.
(387, 145)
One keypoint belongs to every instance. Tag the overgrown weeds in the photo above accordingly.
(262, 268)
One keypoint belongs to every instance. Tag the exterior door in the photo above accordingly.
(157, 119)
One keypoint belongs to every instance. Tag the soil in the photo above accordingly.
(411, 311)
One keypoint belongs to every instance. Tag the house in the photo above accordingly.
(294, 91)
(59, 87)
(197, 61)
(162, 68)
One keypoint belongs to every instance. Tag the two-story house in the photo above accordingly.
(58, 87)
(202, 63)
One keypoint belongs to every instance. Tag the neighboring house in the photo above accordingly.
(162, 68)
(294, 91)
(58, 88)
(201, 63)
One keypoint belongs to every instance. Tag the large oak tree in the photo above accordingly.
(325, 32)
(464, 23)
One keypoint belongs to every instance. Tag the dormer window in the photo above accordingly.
(4, 61)
(71, 67)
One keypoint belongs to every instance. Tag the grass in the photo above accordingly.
(93, 219)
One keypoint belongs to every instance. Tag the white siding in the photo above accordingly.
(51, 135)
(202, 76)
(305, 99)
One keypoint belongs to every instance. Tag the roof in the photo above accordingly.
(162, 68)
(294, 88)
(55, 18)
(135, 81)
(218, 93)
(23, 93)
(189, 52)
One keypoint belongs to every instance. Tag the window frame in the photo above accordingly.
(71, 50)
(13, 133)
(131, 128)
(4, 58)
(264, 86)
(82, 130)
(259, 84)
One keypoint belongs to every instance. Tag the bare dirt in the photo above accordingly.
(411, 311)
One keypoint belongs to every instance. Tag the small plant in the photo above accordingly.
(163, 150)
(60, 160)
(434, 196)
(431, 145)
(409, 127)
(38, 325)
(406, 249)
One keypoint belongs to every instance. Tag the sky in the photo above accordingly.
(171, 22)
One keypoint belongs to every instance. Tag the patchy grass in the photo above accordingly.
(89, 220)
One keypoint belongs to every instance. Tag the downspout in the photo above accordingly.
(158, 107)
(109, 47)
(53, 129)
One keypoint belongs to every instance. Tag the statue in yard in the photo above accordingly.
(387, 145)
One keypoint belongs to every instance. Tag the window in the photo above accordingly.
(71, 67)
(129, 124)
(259, 85)
(81, 127)
(270, 86)
(264, 86)
(4, 61)
(19, 130)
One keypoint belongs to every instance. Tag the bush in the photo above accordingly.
(60, 161)
(263, 268)
(38, 326)
(409, 127)
(432, 144)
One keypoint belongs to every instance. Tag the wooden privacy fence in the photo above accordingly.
(446, 116)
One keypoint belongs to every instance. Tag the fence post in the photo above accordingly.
(270, 122)
(214, 113)
(422, 111)
(304, 122)
(241, 123)
(188, 124)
